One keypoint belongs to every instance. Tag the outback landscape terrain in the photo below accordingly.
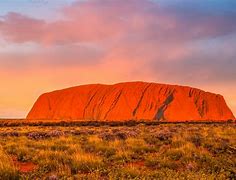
(117, 90)
(132, 130)
(133, 151)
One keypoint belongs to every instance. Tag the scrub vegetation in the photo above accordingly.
(164, 151)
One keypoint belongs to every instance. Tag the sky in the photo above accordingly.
(47, 45)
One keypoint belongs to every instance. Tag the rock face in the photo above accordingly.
(131, 101)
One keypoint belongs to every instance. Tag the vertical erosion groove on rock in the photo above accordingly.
(131, 101)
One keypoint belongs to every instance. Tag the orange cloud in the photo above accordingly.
(107, 41)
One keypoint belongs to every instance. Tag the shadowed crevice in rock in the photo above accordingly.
(113, 104)
(203, 108)
(131, 100)
(160, 113)
(99, 106)
(140, 100)
(89, 102)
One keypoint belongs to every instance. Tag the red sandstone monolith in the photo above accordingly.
(131, 101)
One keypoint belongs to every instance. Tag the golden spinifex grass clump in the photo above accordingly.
(7, 168)
(166, 151)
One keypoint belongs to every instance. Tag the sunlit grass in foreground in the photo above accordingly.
(166, 151)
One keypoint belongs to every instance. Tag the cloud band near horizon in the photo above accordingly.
(108, 41)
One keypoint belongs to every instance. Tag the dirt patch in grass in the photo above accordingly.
(24, 167)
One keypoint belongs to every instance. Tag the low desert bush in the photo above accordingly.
(127, 172)
(86, 163)
(174, 154)
(7, 168)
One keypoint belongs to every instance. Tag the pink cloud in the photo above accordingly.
(90, 21)
(19, 28)
(108, 41)
(104, 20)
